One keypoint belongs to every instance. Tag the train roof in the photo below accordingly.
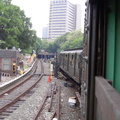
(45, 53)
(72, 51)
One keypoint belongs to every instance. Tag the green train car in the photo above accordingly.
(100, 98)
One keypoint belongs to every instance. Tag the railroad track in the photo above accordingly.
(14, 96)
(21, 81)
(50, 103)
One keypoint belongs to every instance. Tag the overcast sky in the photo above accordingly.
(38, 11)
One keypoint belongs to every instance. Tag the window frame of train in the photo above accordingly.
(78, 62)
(60, 59)
(75, 62)
(68, 62)
(65, 61)
(71, 59)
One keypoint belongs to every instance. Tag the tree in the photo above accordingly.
(73, 40)
(69, 40)
(52, 48)
(38, 45)
(17, 27)
(10, 18)
(45, 44)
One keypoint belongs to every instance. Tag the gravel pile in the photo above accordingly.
(29, 108)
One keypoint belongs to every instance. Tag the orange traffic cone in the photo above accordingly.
(49, 78)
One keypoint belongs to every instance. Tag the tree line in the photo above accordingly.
(16, 30)
(70, 40)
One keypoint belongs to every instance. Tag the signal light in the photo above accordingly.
(14, 67)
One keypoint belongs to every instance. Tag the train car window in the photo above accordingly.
(71, 60)
(77, 61)
(72, 57)
(65, 59)
(60, 59)
(75, 56)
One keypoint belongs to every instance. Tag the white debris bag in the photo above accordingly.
(72, 102)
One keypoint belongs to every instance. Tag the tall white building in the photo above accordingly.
(45, 32)
(64, 17)
(78, 17)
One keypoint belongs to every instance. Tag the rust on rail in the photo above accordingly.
(41, 107)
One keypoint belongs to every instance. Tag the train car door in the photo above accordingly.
(88, 81)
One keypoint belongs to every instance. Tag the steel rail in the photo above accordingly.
(52, 95)
(22, 94)
(53, 115)
(58, 105)
(41, 107)
(18, 84)
(18, 97)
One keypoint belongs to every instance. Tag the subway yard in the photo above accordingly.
(38, 97)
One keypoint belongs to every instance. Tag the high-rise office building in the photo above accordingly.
(78, 17)
(64, 17)
(45, 32)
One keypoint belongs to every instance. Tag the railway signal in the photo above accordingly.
(14, 67)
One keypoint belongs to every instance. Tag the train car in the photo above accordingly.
(100, 88)
(100, 76)
(45, 55)
(70, 64)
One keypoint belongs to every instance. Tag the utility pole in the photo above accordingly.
(1, 28)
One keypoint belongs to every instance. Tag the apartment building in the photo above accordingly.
(64, 17)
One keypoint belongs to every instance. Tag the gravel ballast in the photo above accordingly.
(28, 109)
